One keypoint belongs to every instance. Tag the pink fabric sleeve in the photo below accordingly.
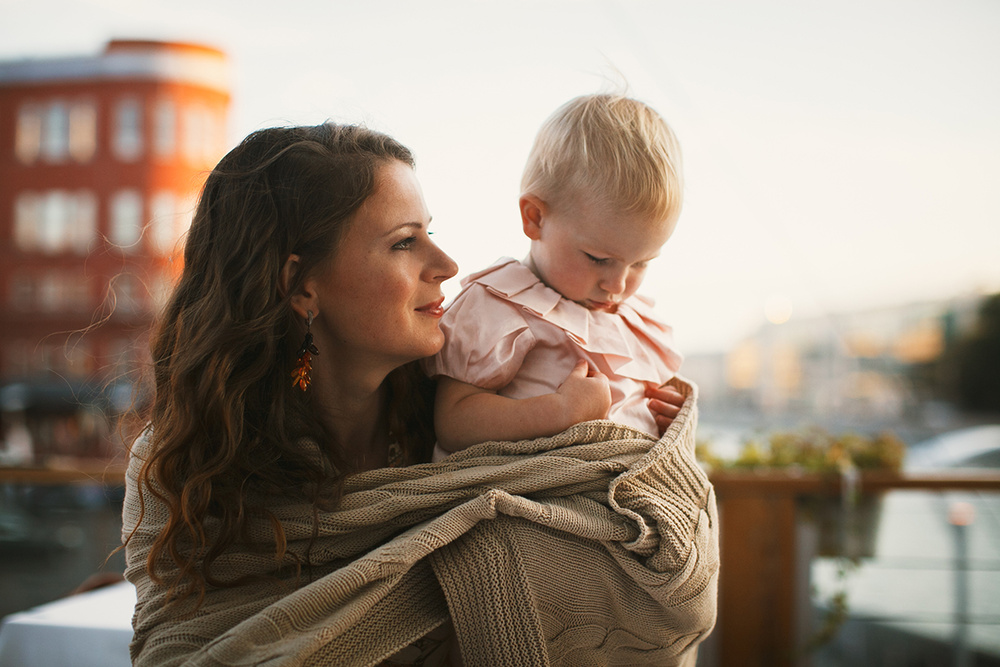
(486, 340)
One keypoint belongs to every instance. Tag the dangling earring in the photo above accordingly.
(300, 375)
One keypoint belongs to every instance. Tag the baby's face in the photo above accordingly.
(595, 255)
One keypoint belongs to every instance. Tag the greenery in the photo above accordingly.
(970, 366)
(812, 450)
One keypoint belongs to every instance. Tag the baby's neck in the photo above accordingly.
(530, 263)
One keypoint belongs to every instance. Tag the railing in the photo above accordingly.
(764, 605)
(76, 471)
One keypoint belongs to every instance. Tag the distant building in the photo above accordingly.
(101, 160)
(857, 365)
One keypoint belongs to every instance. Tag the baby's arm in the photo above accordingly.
(465, 414)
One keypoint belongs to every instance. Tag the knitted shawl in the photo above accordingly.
(598, 546)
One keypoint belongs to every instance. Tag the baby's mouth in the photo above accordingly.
(606, 306)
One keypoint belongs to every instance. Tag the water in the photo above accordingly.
(53, 539)
(904, 601)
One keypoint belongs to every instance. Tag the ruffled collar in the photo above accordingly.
(634, 341)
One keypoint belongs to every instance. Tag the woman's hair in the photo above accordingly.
(611, 150)
(227, 426)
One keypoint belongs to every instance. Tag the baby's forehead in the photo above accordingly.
(615, 233)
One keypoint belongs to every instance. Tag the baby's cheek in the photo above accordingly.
(633, 284)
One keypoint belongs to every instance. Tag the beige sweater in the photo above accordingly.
(598, 546)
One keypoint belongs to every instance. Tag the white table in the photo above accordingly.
(91, 629)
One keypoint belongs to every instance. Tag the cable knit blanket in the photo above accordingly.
(598, 546)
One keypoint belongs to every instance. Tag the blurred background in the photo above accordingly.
(835, 267)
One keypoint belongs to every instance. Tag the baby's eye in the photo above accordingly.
(596, 260)
(405, 244)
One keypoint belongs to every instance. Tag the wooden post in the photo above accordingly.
(757, 583)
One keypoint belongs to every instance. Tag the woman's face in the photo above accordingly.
(379, 299)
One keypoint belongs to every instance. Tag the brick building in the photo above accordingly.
(101, 160)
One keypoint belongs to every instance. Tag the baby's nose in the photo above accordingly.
(614, 283)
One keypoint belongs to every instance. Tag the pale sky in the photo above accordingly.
(837, 155)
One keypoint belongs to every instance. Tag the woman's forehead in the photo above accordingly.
(395, 201)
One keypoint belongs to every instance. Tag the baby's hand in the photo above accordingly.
(664, 402)
(586, 394)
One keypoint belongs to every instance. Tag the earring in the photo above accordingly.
(300, 375)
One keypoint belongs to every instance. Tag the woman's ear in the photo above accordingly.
(304, 298)
(532, 214)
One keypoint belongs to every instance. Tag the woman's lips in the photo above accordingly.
(433, 308)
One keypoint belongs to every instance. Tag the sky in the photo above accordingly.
(837, 156)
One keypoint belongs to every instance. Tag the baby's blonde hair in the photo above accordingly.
(609, 150)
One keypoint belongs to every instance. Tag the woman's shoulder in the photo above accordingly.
(141, 448)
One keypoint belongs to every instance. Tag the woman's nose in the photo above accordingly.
(442, 266)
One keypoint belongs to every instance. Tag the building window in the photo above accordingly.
(45, 358)
(215, 146)
(55, 221)
(164, 221)
(22, 292)
(194, 134)
(128, 130)
(17, 362)
(79, 358)
(125, 294)
(82, 131)
(77, 293)
(28, 141)
(126, 218)
(201, 135)
(160, 290)
(51, 293)
(165, 132)
(55, 132)
(119, 355)
(83, 222)
(27, 221)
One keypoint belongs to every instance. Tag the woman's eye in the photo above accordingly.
(596, 260)
(405, 244)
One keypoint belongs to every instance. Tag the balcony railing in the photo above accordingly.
(765, 609)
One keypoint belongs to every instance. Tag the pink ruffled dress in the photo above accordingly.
(510, 333)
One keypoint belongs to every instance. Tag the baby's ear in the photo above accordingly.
(532, 214)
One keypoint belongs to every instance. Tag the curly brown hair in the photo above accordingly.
(226, 425)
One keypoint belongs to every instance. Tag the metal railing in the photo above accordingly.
(765, 606)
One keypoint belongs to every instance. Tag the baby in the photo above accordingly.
(533, 347)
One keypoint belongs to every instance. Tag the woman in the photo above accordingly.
(270, 262)
(271, 513)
